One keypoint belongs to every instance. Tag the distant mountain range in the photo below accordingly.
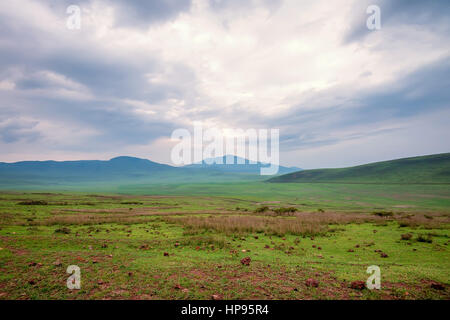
(124, 170)
(416, 170)
(231, 163)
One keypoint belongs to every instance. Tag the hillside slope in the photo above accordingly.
(424, 169)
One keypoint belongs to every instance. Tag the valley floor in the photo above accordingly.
(195, 247)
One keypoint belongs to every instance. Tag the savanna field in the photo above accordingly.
(246, 240)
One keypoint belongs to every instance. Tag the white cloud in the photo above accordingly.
(243, 67)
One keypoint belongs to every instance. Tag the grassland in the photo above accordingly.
(432, 169)
(186, 241)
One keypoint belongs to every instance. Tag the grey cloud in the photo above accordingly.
(131, 13)
(421, 92)
(14, 130)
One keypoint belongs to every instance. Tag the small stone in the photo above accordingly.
(246, 261)
(437, 286)
(358, 285)
(57, 263)
(312, 283)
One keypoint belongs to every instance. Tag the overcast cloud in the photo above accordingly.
(136, 70)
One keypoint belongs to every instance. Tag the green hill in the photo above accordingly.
(416, 170)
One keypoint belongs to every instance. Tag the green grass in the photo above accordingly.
(206, 262)
(433, 169)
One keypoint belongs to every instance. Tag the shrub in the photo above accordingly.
(383, 213)
(33, 203)
(406, 236)
(422, 238)
(64, 230)
(261, 209)
(285, 211)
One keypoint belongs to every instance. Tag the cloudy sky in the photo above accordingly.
(339, 93)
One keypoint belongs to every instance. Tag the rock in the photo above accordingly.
(246, 261)
(358, 285)
(57, 263)
(437, 286)
(312, 283)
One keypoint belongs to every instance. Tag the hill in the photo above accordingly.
(416, 170)
(118, 171)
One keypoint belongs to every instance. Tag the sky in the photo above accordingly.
(339, 93)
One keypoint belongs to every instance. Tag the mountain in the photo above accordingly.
(84, 170)
(231, 163)
(416, 170)
(119, 171)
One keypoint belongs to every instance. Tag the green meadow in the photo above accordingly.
(191, 241)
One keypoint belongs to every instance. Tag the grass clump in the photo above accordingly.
(383, 213)
(33, 203)
(262, 209)
(422, 238)
(63, 230)
(406, 236)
